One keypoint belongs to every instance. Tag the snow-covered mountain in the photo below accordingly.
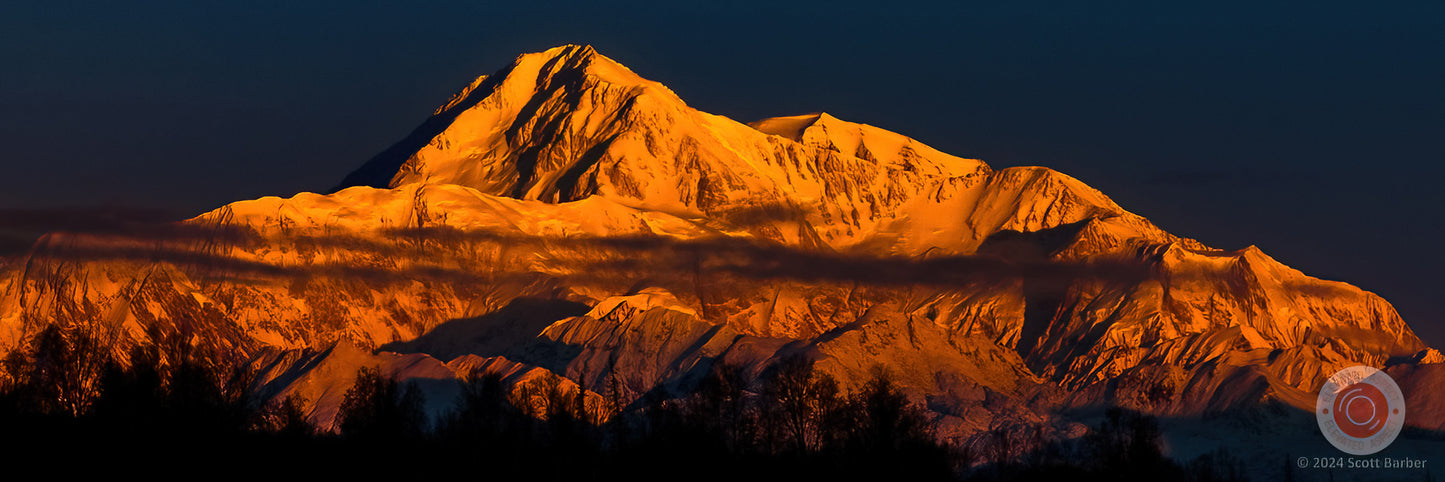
(566, 216)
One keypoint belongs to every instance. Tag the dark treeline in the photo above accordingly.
(1126, 445)
(548, 429)
(166, 411)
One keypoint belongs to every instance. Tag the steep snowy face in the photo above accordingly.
(1203, 306)
(569, 123)
(529, 134)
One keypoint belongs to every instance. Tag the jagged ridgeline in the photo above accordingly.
(565, 217)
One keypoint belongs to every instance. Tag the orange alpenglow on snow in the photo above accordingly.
(565, 201)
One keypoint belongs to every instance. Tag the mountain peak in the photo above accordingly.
(581, 50)
(568, 123)
(551, 62)
(532, 87)
(793, 127)
(577, 60)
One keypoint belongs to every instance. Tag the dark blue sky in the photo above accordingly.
(1315, 131)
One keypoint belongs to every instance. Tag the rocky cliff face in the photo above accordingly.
(566, 216)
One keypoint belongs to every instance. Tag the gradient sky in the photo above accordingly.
(1315, 131)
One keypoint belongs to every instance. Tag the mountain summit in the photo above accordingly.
(565, 216)
(569, 123)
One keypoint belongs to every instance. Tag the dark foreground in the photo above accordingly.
(167, 414)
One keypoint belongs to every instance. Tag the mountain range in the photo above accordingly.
(565, 216)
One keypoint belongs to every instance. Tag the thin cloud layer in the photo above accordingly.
(432, 253)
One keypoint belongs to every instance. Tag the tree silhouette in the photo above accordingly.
(286, 418)
(377, 408)
(63, 371)
(798, 403)
(479, 411)
(889, 422)
(1127, 444)
(720, 407)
